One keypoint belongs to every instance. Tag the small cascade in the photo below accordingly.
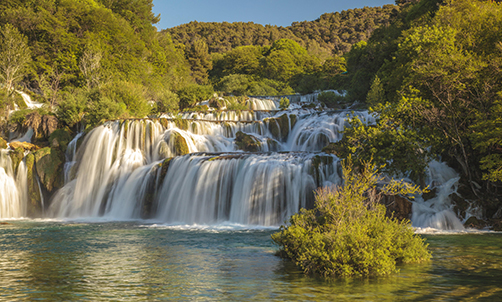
(13, 189)
(437, 212)
(29, 103)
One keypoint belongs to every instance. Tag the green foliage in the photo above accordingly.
(194, 93)
(101, 109)
(396, 148)
(330, 33)
(347, 233)
(14, 55)
(376, 95)
(166, 100)
(332, 99)
(71, 108)
(132, 95)
(284, 103)
(18, 116)
(236, 103)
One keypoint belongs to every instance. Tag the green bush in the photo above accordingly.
(103, 109)
(347, 233)
(284, 103)
(236, 103)
(71, 108)
(132, 95)
(191, 94)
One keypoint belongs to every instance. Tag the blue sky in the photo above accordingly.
(273, 12)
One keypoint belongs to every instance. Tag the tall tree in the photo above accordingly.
(14, 56)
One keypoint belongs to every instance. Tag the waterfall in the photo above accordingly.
(13, 188)
(197, 168)
(438, 212)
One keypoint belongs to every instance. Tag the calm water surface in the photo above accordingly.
(136, 261)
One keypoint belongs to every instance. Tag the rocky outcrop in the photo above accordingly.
(180, 144)
(25, 146)
(279, 127)
(332, 148)
(16, 157)
(42, 125)
(247, 142)
(49, 164)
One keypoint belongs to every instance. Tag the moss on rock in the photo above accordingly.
(24, 146)
(60, 138)
(279, 126)
(16, 156)
(180, 144)
(3, 143)
(34, 206)
(49, 165)
(247, 142)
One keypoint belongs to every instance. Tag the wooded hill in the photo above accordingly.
(332, 33)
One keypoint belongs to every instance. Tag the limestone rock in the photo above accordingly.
(49, 164)
(247, 142)
(24, 146)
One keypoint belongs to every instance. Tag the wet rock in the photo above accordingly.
(49, 166)
(279, 126)
(247, 142)
(34, 206)
(180, 144)
(474, 222)
(16, 157)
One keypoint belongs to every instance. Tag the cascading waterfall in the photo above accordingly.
(438, 212)
(189, 169)
(13, 188)
(119, 158)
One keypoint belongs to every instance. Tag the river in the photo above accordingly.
(143, 261)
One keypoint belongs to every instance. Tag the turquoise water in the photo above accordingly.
(136, 261)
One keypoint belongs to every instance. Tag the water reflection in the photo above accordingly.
(131, 262)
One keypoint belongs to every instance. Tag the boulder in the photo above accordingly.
(279, 126)
(49, 164)
(180, 144)
(247, 142)
(474, 222)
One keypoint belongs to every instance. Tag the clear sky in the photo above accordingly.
(273, 12)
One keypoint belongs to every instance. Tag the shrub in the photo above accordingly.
(347, 233)
(132, 95)
(103, 109)
(191, 94)
(284, 103)
(70, 109)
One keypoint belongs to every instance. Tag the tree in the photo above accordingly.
(15, 56)
(200, 61)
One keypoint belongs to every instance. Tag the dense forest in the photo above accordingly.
(429, 69)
